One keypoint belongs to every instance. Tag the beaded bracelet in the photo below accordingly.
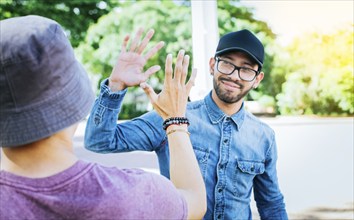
(175, 121)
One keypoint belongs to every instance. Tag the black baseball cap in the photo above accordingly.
(242, 40)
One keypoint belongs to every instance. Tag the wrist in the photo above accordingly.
(177, 128)
(115, 86)
(180, 126)
(175, 121)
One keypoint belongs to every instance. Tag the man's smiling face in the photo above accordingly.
(231, 88)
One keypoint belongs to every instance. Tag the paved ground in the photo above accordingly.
(315, 165)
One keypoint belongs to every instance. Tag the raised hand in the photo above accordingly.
(129, 68)
(172, 100)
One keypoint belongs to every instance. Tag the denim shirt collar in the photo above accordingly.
(216, 115)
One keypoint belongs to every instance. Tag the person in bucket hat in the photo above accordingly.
(45, 93)
(237, 152)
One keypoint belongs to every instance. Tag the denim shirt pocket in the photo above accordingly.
(245, 171)
(202, 156)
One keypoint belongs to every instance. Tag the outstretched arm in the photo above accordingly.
(103, 134)
(171, 102)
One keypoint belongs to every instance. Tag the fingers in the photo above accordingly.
(191, 81)
(125, 43)
(180, 71)
(179, 66)
(168, 69)
(184, 69)
(154, 50)
(145, 41)
(138, 47)
(136, 39)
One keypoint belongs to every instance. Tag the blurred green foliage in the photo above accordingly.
(102, 44)
(319, 74)
(313, 75)
(173, 25)
(100, 49)
(74, 15)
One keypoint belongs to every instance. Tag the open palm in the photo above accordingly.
(129, 68)
(172, 100)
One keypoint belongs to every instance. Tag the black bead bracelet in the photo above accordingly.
(175, 121)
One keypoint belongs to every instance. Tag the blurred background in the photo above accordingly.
(306, 95)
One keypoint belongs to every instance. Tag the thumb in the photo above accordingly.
(149, 91)
(191, 80)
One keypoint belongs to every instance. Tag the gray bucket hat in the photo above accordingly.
(44, 89)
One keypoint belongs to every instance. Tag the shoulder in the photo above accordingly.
(262, 133)
(137, 180)
(133, 188)
(133, 179)
(256, 122)
(153, 191)
(260, 130)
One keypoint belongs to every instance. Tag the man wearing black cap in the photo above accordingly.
(236, 152)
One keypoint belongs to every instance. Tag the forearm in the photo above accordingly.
(185, 172)
(99, 133)
(269, 199)
(170, 104)
(105, 135)
(102, 122)
(273, 210)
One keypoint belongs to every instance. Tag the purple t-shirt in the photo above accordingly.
(91, 191)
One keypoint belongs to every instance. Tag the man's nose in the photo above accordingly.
(235, 75)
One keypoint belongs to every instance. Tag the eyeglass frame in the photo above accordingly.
(257, 72)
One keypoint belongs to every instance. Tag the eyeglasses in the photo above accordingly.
(227, 68)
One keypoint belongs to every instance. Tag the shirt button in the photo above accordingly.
(252, 168)
(219, 216)
(227, 119)
(220, 190)
(221, 166)
(226, 140)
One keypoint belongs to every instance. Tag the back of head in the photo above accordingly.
(44, 89)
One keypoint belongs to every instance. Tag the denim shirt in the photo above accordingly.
(236, 154)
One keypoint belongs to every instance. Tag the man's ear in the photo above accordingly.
(258, 79)
(211, 65)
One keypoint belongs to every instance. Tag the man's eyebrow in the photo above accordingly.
(246, 62)
(249, 63)
(227, 57)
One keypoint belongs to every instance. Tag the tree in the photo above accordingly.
(172, 22)
(100, 49)
(75, 15)
(320, 79)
